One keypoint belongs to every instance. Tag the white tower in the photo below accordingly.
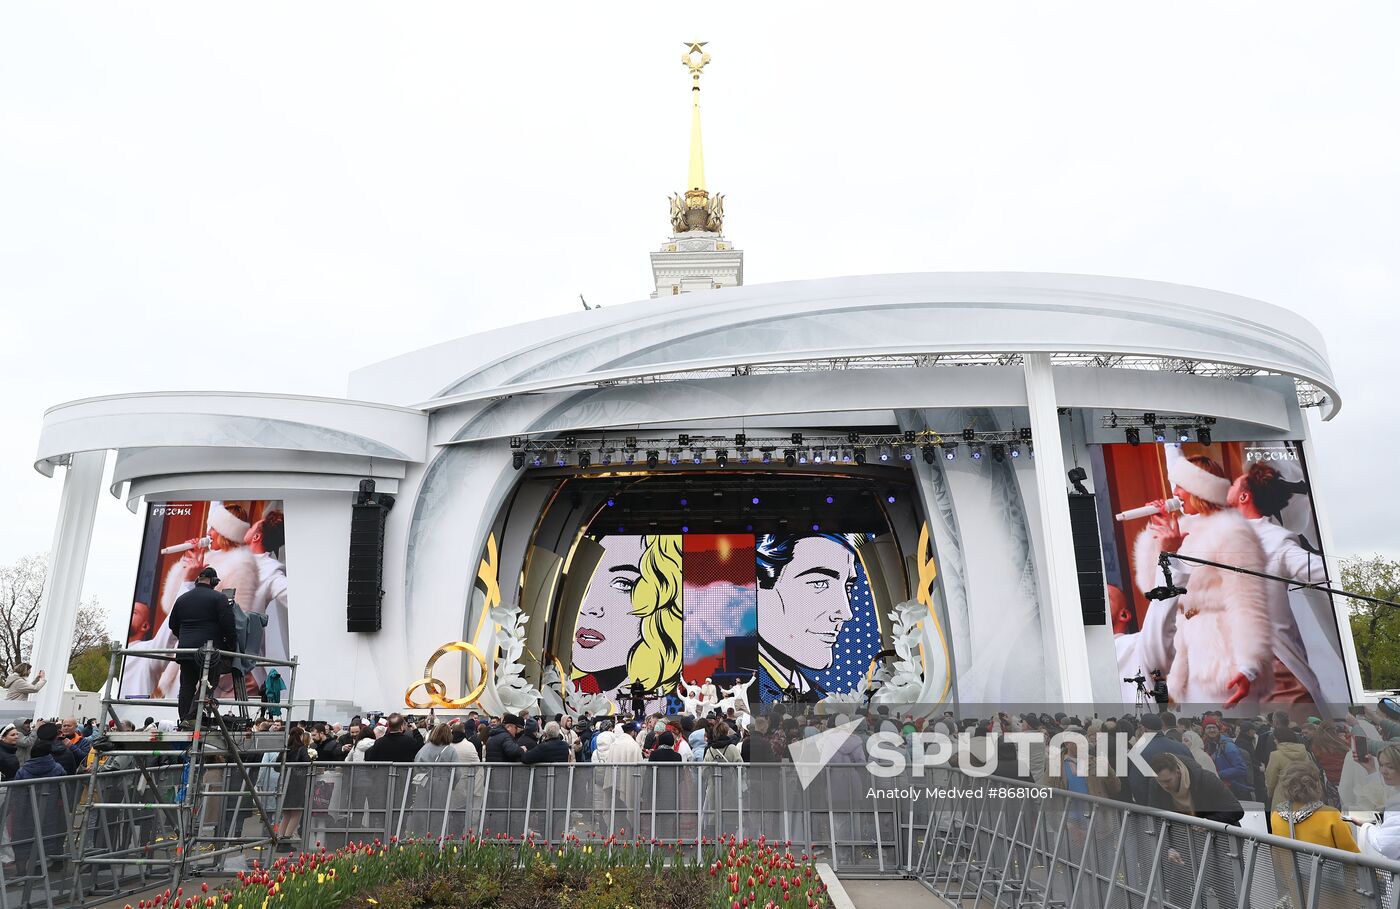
(697, 257)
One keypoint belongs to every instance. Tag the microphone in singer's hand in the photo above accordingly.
(201, 543)
(1172, 505)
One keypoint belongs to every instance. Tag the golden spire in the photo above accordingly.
(695, 59)
(695, 210)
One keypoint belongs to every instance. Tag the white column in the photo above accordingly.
(72, 539)
(1064, 619)
(1340, 605)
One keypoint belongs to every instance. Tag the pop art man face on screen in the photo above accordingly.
(805, 583)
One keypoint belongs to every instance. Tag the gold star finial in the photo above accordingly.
(695, 58)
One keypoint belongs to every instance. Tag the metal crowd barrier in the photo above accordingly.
(38, 846)
(961, 838)
(980, 847)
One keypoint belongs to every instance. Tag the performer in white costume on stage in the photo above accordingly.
(1216, 640)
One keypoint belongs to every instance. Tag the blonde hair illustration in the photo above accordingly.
(655, 660)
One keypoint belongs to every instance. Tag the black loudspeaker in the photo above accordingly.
(365, 573)
(1088, 558)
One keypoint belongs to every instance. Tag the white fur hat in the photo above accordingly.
(1198, 482)
(226, 523)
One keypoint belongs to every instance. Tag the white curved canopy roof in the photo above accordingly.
(991, 314)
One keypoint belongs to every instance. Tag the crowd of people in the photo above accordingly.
(1318, 778)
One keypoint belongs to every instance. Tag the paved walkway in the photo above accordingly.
(890, 894)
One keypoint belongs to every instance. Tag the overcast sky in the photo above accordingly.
(265, 196)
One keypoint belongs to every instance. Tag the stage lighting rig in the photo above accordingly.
(653, 457)
(999, 452)
(790, 457)
(1132, 435)
(969, 435)
(975, 451)
(1203, 435)
(517, 459)
(722, 458)
(1159, 432)
(929, 453)
(1014, 450)
(1183, 433)
(950, 450)
(584, 460)
(859, 454)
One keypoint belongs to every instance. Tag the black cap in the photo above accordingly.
(209, 573)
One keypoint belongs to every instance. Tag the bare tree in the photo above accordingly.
(22, 586)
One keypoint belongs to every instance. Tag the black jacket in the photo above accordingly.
(1141, 786)
(664, 756)
(202, 615)
(9, 761)
(395, 747)
(550, 751)
(1211, 798)
(329, 750)
(502, 748)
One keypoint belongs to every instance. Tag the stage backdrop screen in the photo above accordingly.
(1243, 504)
(244, 542)
(793, 612)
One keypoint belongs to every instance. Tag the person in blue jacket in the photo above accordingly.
(38, 811)
(1230, 761)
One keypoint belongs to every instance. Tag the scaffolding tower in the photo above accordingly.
(212, 768)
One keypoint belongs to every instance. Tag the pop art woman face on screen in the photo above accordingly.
(607, 627)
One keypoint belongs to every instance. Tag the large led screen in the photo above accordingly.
(791, 613)
(245, 543)
(1240, 505)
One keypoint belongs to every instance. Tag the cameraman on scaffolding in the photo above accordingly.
(199, 616)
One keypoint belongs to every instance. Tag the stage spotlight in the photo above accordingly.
(1148, 419)
(606, 456)
(629, 456)
(1025, 433)
(754, 500)
(1183, 434)
(853, 437)
(685, 502)
(1014, 450)
(790, 457)
(803, 457)
(685, 529)
(950, 450)
(999, 452)
(652, 458)
(796, 439)
(584, 459)
(928, 453)
(976, 451)
(766, 455)
(816, 527)
(741, 441)
(1159, 432)
(1030, 449)
(968, 435)
(891, 498)
(830, 500)
(536, 461)
(816, 456)
(884, 452)
(1132, 435)
(846, 456)
(744, 455)
(683, 440)
(673, 457)
(517, 459)
(697, 455)
(1203, 435)
(722, 458)
(909, 436)
(611, 502)
(859, 455)
(562, 458)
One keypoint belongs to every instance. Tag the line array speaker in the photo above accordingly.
(365, 573)
(1088, 558)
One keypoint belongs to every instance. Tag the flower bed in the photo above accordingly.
(506, 873)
